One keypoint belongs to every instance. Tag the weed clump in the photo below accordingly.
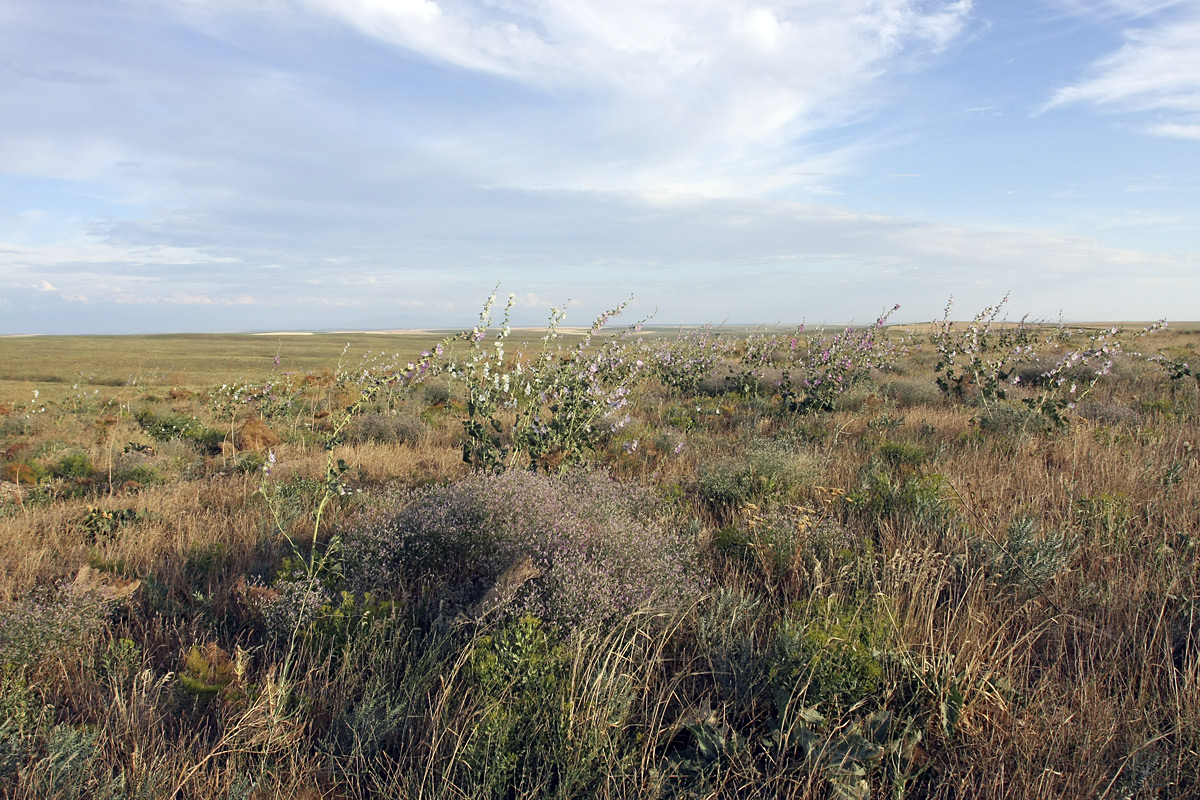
(909, 393)
(594, 543)
(1010, 421)
(73, 465)
(382, 428)
(48, 623)
(767, 470)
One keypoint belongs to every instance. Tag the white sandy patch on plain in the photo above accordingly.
(396, 332)
(564, 330)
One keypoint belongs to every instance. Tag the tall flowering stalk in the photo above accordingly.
(489, 389)
(987, 355)
(521, 412)
(826, 366)
(984, 355)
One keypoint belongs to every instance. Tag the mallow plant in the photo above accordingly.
(986, 357)
(823, 366)
(524, 411)
(985, 354)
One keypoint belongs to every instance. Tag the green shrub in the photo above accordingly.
(924, 500)
(204, 561)
(131, 471)
(1107, 515)
(829, 654)
(1013, 421)
(1025, 560)
(769, 469)
(519, 674)
(909, 393)
(20, 716)
(164, 427)
(73, 465)
(250, 462)
(902, 454)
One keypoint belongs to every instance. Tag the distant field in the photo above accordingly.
(59, 366)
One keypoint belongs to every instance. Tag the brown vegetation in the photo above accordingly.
(905, 596)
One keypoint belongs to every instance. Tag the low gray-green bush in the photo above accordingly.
(380, 428)
(595, 548)
(907, 393)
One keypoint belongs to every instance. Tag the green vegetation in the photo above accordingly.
(877, 562)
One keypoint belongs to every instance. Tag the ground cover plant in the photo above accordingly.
(942, 561)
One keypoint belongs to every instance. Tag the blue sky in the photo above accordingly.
(195, 165)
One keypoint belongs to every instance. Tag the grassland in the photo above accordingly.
(225, 576)
(58, 366)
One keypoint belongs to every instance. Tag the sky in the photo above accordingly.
(250, 165)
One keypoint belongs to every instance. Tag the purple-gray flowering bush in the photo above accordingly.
(686, 361)
(49, 623)
(596, 546)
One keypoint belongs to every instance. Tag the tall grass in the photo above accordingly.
(902, 592)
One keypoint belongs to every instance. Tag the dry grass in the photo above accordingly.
(1062, 664)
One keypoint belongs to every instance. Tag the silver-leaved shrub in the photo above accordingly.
(596, 545)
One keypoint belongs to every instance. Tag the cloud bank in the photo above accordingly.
(266, 164)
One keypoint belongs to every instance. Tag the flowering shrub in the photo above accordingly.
(832, 364)
(47, 623)
(295, 602)
(1101, 347)
(991, 357)
(520, 411)
(684, 362)
(594, 545)
(279, 397)
(984, 355)
(1177, 371)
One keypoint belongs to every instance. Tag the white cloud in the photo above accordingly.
(1108, 9)
(705, 96)
(1156, 70)
(697, 259)
(1176, 130)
